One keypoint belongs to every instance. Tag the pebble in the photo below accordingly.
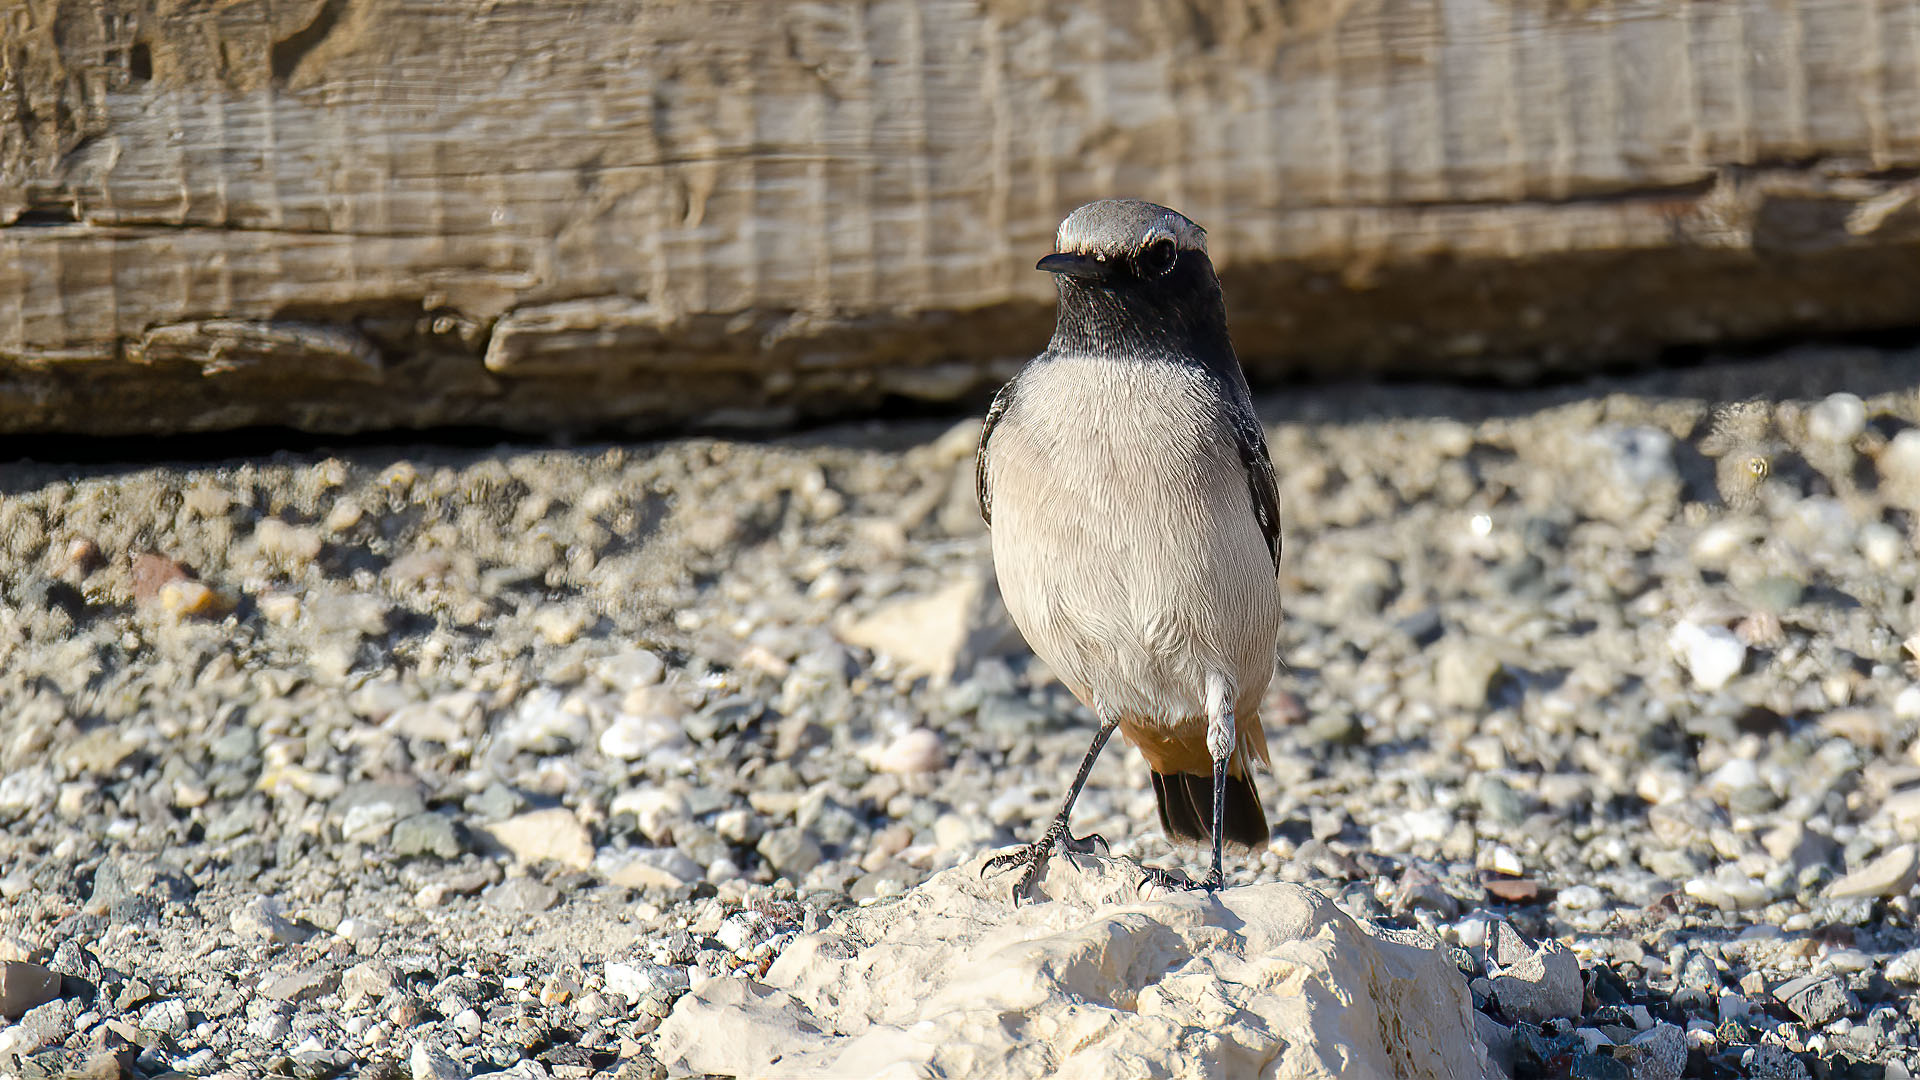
(1905, 968)
(554, 835)
(636, 982)
(1892, 873)
(1659, 1053)
(1713, 655)
(521, 896)
(427, 834)
(1817, 1000)
(1837, 418)
(1540, 986)
(1463, 675)
(25, 986)
(791, 851)
(916, 751)
(649, 868)
(291, 545)
(429, 1062)
(630, 670)
(264, 918)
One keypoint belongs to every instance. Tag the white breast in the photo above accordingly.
(1125, 540)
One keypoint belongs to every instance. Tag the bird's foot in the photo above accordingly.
(1177, 879)
(1034, 855)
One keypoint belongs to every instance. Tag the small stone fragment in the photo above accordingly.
(791, 851)
(264, 918)
(25, 986)
(427, 834)
(429, 1062)
(635, 982)
(1543, 986)
(1659, 1053)
(290, 545)
(1818, 1000)
(649, 868)
(1712, 654)
(553, 835)
(192, 598)
(917, 751)
(1892, 873)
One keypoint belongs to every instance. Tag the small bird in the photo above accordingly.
(1135, 522)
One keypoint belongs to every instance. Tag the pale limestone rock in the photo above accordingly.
(1092, 981)
(1893, 873)
(553, 835)
(937, 634)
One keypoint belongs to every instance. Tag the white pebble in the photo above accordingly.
(1582, 898)
(1907, 705)
(1882, 544)
(917, 751)
(1711, 654)
(1838, 419)
(1506, 861)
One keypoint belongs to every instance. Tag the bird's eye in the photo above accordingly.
(1158, 258)
(1758, 467)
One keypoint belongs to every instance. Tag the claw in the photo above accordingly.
(1165, 879)
(1085, 845)
(1177, 879)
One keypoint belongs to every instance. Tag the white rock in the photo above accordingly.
(656, 810)
(1906, 706)
(1712, 654)
(1504, 860)
(940, 633)
(630, 670)
(743, 929)
(1900, 467)
(636, 981)
(545, 723)
(1905, 968)
(1839, 418)
(631, 737)
(917, 751)
(1719, 542)
(432, 1063)
(294, 545)
(552, 835)
(1581, 898)
(1263, 980)
(265, 919)
(1883, 545)
(1892, 873)
(648, 868)
(1729, 890)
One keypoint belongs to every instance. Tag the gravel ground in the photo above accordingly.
(434, 762)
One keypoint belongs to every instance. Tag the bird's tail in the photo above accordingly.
(1186, 809)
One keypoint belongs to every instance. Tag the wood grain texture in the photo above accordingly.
(341, 214)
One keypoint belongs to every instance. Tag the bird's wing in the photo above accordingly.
(994, 412)
(1261, 483)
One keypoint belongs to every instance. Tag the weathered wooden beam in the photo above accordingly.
(343, 214)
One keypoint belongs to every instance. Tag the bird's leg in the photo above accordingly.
(1220, 740)
(1034, 855)
(1220, 743)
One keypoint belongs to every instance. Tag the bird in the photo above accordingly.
(1134, 519)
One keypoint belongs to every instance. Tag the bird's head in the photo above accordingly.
(1135, 276)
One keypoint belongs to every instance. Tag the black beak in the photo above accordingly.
(1073, 265)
